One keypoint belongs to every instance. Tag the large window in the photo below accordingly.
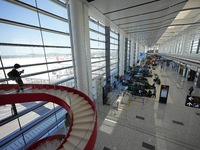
(35, 34)
(194, 47)
(179, 46)
(97, 47)
(114, 44)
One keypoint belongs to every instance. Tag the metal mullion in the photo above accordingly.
(97, 40)
(30, 45)
(97, 57)
(60, 3)
(114, 50)
(97, 31)
(63, 80)
(113, 58)
(42, 72)
(113, 64)
(25, 5)
(98, 69)
(31, 26)
(38, 64)
(191, 46)
(113, 32)
(97, 23)
(28, 127)
(97, 49)
(11, 118)
(97, 61)
(114, 69)
(113, 38)
(38, 73)
(198, 47)
(113, 43)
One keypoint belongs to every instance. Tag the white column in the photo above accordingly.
(132, 53)
(81, 46)
(137, 53)
(122, 53)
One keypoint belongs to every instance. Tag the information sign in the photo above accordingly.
(164, 90)
(192, 101)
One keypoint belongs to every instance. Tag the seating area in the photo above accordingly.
(148, 123)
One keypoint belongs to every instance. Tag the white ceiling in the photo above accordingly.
(152, 22)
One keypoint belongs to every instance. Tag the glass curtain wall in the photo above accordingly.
(97, 47)
(190, 42)
(35, 34)
(195, 46)
(114, 44)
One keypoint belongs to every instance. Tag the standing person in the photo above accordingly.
(149, 93)
(161, 66)
(14, 74)
(115, 84)
(154, 93)
(191, 89)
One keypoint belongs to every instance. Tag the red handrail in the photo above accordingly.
(30, 97)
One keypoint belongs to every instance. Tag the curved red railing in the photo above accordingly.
(30, 97)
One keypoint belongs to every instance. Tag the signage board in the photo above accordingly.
(192, 101)
(164, 90)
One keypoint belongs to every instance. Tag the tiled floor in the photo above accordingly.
(152, 125)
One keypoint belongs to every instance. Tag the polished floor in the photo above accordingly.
(146, 124)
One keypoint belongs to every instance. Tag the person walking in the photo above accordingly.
(191, 89)
(14, 74)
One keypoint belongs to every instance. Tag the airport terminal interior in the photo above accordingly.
(100, 75)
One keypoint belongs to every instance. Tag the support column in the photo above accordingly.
(132, 53)
(126, 51)
(118, 54)
(136, 53)
(80, 45)
(121, 53)
(108, 78)
(129, 56)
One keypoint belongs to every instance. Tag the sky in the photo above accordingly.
(21, 35)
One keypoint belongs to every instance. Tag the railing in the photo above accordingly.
(29, 133)
(28, 97)
(9, 93)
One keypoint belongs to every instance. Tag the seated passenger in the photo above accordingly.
(149, 93)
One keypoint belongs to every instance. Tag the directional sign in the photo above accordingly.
(192, 101)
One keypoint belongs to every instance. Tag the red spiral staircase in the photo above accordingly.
(82, 132)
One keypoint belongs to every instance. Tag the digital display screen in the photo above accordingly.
(163, 93)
